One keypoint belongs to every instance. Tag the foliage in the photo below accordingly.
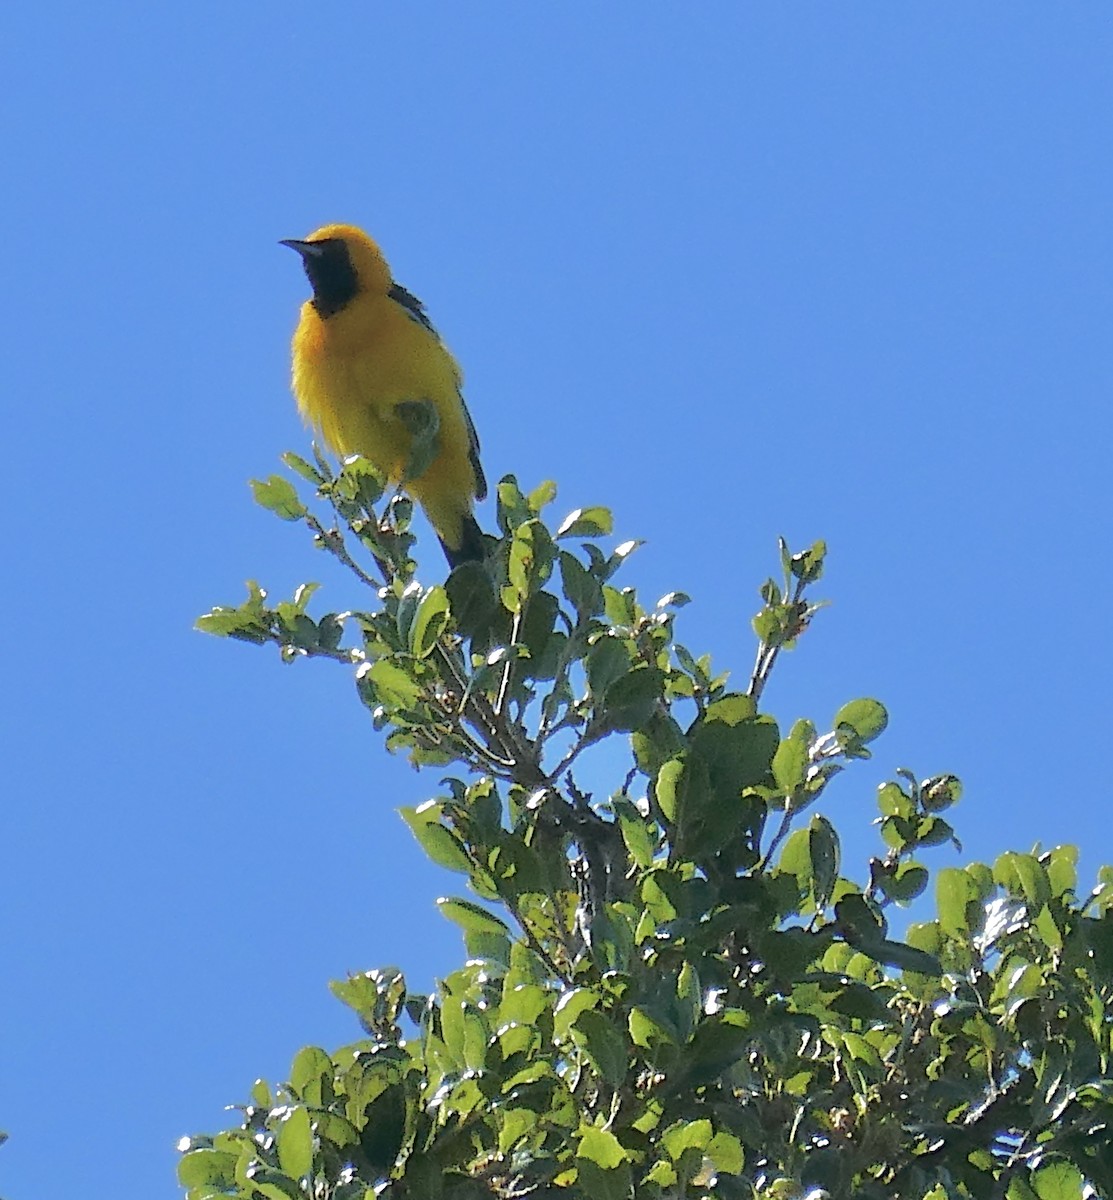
(673, 989)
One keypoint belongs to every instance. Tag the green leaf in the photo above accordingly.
(618, 556)
(635, 828)
(631, 699)
(858, 922)
(904, 957)
(473, 599)
(662, 1173)
(207, 1169)
(725, 1151)
(602, 1166)
(406, 609)
(620, 606)
(429, 622)
(893, 802)
(382, 1136)
(933, 831)
(690, 997)
(390, 683)
(580, 586)
(311, 1076)
(586, 522)
(823, 849)
(332, 1128)
(981, 878)
(330, 629)
(472, 918)
(569, 1007)
(279, 496)
(790, 763)
(796, 860)
(438, 842)
(601, 1147)
(1018, 1189)
(542, 643)
(658, 740)
(1062, 869)
(603, 1043)
(687, 1135)
(790, 951)
(954, 892)
(737, 746)
(297, 463)
(683, 790)
(519, 566)
(906, 883)
(647, 1032)
(516, 1125)
(377, 996)
(250, 622)
(528, 565)
(270, 1184)
(295, 1142)
(940, 793)
(525, 1002)
(807, 565)
(731, 709)
(543, 494)
(512, 506)
(362, 481)
(867, 718)
(926, 936)
(235, 623)
(856, 1000)
(717, 1044)
(1058, 1181)
(593, 1181)
(607, 660)
(1023, 874)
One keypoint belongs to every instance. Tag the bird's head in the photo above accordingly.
(341, 261)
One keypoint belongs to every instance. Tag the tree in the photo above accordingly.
(674, 989)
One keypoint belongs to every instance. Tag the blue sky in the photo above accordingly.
(837, 271)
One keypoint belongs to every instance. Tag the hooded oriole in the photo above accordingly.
(370, 373)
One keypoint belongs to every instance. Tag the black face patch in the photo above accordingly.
(332, 275)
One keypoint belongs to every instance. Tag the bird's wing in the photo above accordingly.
(473, 454)
(415, 310)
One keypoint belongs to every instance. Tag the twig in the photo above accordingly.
(504, 683)
(589, 738)
(767, 654)
(333, 542)
(778, 837)
(352, 657)
(538, 949)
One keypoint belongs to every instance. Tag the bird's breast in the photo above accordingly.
(351, 371)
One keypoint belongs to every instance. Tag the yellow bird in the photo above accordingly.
(371, 374)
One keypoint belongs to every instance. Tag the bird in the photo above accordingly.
(372, 375)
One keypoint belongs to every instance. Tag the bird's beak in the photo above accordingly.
(305, 249)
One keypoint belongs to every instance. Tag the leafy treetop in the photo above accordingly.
(672, 989)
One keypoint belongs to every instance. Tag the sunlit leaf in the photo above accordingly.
(279, 496)
(867, 718)
(586, 522)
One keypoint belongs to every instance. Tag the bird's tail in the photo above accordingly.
(472, 544)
